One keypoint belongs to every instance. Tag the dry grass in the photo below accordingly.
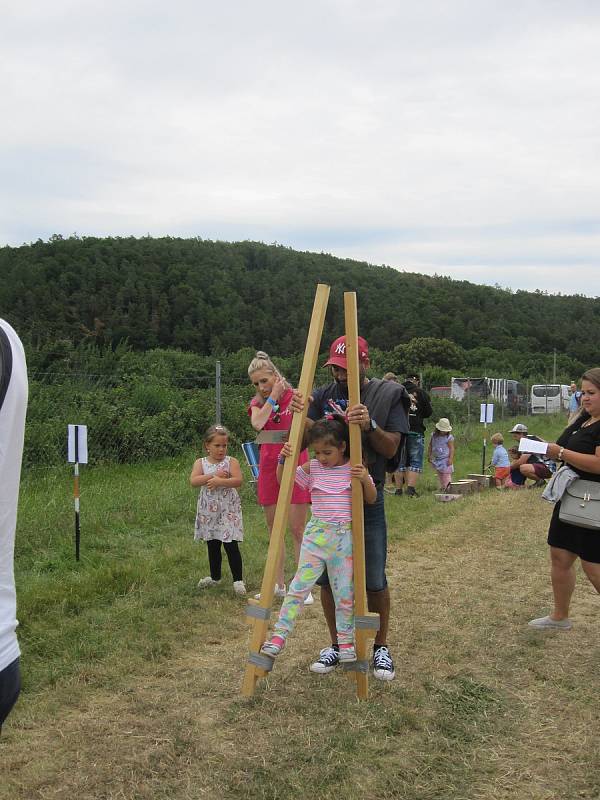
(482, 707)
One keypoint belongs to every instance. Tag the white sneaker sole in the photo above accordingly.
(384, 674)
(322, 669)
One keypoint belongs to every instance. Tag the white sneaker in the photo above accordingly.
(271, 649)
(547, 623)
(280, 591)
(239, 587)
(347, 654)
(309, 600)
(206, 582)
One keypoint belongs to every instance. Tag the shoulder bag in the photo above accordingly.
(580, 504)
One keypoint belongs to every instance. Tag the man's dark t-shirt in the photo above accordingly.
(333, 398)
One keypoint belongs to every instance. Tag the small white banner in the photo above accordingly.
(77, 452)
(486, 413)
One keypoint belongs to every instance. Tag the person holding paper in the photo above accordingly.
(578, 446)
(527, 464)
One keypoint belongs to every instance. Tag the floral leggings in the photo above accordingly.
(325, 544)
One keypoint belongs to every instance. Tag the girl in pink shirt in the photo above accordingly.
(327, 540)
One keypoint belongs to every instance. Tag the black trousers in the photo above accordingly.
(232, 551)
(10, 688)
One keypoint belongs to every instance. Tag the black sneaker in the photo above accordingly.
(411, 492)
(538, 484)
(383, 666)
(398, 492)
(328, 660)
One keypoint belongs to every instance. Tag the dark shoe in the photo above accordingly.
(328, 660)
(538, 484)
(398, 491)
(383, 666)
(411, 492)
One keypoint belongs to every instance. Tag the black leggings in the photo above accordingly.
(233, 556)
(10, 687)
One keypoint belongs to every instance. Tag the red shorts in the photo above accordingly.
(501, 473)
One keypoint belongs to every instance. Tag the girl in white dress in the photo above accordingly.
(219, 512)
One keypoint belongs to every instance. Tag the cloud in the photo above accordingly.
(460, 138)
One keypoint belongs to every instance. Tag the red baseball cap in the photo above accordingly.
(337, 352)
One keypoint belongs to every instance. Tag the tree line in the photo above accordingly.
(214, 298)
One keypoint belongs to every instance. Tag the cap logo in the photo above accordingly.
(340, 348)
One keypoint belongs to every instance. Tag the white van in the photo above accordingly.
(550, 398)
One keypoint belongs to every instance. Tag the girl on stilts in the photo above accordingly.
(327, 540)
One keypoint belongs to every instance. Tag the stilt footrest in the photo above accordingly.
(258, 612)
(355, 666)
(262, 661)
(368, 622)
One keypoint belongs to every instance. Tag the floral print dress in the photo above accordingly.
(219, 512)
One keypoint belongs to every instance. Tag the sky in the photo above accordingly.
(457, 138)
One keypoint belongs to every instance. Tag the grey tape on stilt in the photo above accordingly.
(355, 666)
(258, 612)
(260, 660)
(367, 623)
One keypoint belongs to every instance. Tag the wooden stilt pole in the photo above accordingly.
(365, 622)
(259, 665)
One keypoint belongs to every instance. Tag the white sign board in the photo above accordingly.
(486, 413)
(77, 451)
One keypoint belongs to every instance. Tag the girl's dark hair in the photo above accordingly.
(214, 430)
(333, 428)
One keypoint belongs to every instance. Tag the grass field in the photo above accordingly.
(132, 676)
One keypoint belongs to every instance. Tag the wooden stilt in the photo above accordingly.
(366, 623)
(259, 665)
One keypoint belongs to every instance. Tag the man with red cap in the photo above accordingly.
(382, 416)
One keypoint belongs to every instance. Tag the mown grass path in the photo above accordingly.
(482, 707)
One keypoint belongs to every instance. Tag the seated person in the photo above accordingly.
(526, 465)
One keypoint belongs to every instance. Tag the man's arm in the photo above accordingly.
(384, 440)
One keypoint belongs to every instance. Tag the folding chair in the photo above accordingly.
(251, 452)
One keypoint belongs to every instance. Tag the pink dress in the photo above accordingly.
(268, 487)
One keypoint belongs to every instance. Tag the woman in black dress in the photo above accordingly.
(579, 447)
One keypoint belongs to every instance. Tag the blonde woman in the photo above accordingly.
(269, 410)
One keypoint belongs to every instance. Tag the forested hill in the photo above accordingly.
(210, 296)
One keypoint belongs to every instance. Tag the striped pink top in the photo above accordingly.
(330, 490)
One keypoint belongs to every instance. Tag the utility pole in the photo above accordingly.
(554, 368)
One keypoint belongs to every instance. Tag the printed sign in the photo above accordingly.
(77, 452)
(487, 413)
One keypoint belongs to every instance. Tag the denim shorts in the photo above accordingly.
(375, 546)
(414, 449)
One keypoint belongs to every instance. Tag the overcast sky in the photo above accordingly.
(456, 137)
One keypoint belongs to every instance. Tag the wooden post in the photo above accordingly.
(258, 664)
(365, 622)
